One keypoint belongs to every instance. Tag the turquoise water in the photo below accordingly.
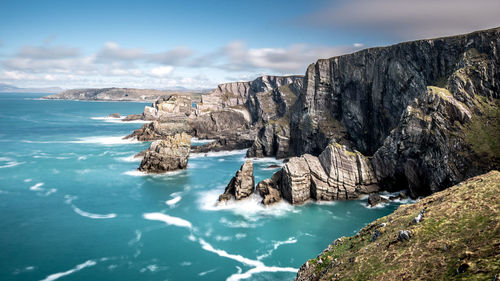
(73, 208)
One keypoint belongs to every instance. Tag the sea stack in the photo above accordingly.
(169, 154)
(241, 185)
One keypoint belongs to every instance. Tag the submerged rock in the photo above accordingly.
(169, 154)
(241, 185)
(114, 115)
(374, 199)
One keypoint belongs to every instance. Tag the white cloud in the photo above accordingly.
(162, 71)
(112, 51)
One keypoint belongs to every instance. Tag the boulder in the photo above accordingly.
(241, 185)
(114, 115)
(374, 199)
(269, 189)
(169, 154)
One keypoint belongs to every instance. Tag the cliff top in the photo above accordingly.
(457, 237)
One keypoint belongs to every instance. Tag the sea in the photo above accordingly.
(74, 207)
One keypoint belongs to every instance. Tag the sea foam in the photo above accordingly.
(167, 219)
(77, 268)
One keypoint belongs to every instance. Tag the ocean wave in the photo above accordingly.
(105, 140)
(250, 208)
(77, 268)
(119, 120)
(137, 173)
(207, 272)
(198, 141)
(276, 245)
(173, 201)
(167, 219)
(258, 266)
(129, 159)
(219, 153)
(37, 187)
(91, 215)
(8, 162)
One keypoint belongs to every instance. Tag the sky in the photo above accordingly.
(199, 44)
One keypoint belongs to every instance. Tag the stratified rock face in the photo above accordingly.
(159, 130)
(166, 108)
(224, 122)
(269, 189)
(358, 98)
(241, 185)
(238, 93)
(272, 140)
(337, 174)
(169, 154)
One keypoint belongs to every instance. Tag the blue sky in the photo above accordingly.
(199, 44)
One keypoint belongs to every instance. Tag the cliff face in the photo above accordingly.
(238, 93)
(358, 99)
(450, 235)
(420, 108)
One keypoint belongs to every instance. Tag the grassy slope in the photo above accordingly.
(460, 229)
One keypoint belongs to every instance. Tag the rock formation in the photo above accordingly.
(159, 130)
(166, 108)
(165, 155)
(337, 174)
(241, 185)
(414, 106)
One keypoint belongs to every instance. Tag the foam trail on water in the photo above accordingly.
(130, 158)
(37, 186)
(198, 141)
(119, 120)
(91, 215)
(77, 268)
(258, 265)
(105, 140)
(173, 201)
(9, 162)
(218, 153)
(167, 219)
(276, 245)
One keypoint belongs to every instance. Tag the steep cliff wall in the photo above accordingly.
(358, 99)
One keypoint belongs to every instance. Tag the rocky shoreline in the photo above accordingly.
(409, 116)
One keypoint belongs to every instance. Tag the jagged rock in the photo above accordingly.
(166, 108)
(232, 142)
(237, 93)
(269, 189)
(114, 115)
(379, 101)
(400, 196)
(169, 154)
(404, 235)
(220, 123)
(336, 174)
(374, 199)
(241, 185)
(160, 130)
(272, 140)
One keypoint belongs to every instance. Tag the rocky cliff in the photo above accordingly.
(450, 235)
(165, 155)
(109, 94)
(415, 106)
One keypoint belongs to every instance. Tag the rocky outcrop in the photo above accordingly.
(453, 233)
(413, 106)
(220, 123)
(165, 155)
(337, 174)
(238, 93)
(109, 94)
(269, 189)
(374, 199)
(166, 108)
(447, 134)
(232, 142)
(114, 115)
(272, 140)
(241, 185)
(358, 99)
(160, 130)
